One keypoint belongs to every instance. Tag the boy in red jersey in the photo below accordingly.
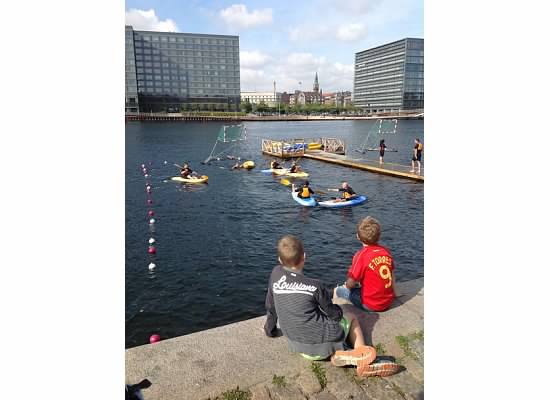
(370, 283)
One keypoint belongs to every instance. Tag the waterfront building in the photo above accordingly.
(181, 71)
(302, 98)
(390, 77)
(269, 98)
(338, 99)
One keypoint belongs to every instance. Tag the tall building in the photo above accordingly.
(390, 77)
(167, 71)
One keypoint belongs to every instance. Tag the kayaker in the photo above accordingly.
(187, 172)
(305, 191)
(275, 165)
(347, 192)
(236, 166)
(295, 168)
(382, 149)
(417, 154)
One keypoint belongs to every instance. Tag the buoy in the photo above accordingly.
(152, 266)
(165, 162)
(146, 175)
(154, 339)
(152, 221)
(142, 165)
(148, 187)
(151, 250)
(151, 213)
(149, 201)
(150, 163)
(152, 240)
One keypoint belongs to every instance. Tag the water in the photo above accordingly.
(216, 243)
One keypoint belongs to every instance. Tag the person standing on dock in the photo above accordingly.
(382, 149)
(417, 154)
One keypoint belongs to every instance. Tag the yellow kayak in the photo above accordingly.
(286, 172)
(314, 146)
(202, 179)
(248, 164)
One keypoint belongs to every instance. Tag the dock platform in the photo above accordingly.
(397, 170)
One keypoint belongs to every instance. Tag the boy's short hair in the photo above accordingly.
(368, 230)
(290, 250)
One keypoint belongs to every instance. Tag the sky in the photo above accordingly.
(288, 41)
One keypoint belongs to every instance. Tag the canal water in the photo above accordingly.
(216, 243)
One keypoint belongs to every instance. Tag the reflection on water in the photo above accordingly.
(216, 242)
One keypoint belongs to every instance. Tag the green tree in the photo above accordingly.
(247, 107)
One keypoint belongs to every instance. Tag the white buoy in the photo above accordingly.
(152, 240)
(152, 266)
(152, 221)
(165, 162)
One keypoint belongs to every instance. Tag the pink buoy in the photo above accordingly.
(149, 201)
(151, 213)
(154, 339)
(145, 170)
(152, 250)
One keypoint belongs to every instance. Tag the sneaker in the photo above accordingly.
(412, 170)
(362, 354)
(384, 368)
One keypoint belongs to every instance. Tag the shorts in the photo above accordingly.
(418, 157)
(346, 325)
(381, 153)
(353, 295)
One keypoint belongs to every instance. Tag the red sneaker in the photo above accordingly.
(364, 354)
(385, 368)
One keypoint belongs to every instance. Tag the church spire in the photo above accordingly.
(316, 84)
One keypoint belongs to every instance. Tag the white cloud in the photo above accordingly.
(351, 32)
(293, 68)
(308, 33)
(147, 20)
(237, 16)
(356, 7)
(253, 59)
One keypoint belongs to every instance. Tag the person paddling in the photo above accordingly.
(304, 192)
(186, 172)
(347, 192)
(295, 168)
(275, 165)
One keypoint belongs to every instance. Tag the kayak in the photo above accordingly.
(271, 171)
(338, 204)
(286, 172)
(248, 164)
(314, 146)
(202, 179)
(305, 202)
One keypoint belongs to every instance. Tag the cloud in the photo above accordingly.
(293, 68)
(351, 32)
(147, 20)
(347, 32)
(237, 16)
(253, 59)
(356, 7)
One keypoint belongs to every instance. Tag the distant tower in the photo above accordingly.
(316, 84)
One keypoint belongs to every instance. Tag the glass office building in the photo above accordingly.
(132, 105)
(390, 77)
(183, 71)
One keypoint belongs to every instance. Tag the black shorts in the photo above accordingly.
(418, 157)
(381, 153)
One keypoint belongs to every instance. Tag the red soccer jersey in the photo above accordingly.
(372, 266)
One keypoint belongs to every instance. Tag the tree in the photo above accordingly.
(247, 107)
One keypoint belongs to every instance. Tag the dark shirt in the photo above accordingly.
(349, 190)
(303, 306)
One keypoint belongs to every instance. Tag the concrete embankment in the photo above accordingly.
(208, 363)
(236, 118)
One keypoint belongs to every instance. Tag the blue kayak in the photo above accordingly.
(310, 202)
(338, 204)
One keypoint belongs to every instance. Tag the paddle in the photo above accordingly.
(285, 182)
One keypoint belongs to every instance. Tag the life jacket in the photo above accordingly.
(346, 195)
(305, 191)
(420, 147)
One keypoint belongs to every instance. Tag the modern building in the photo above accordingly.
(390, 77)
(168, 71)
(269, 98)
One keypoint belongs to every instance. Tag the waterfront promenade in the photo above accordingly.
(204, 117)
(211, 364)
